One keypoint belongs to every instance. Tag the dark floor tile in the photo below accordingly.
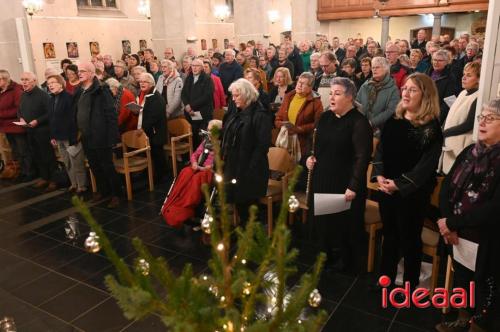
(23, 216)
(101, 215)
(105, 317)
(10, 240)
(73, 302)
(84, 267)
(59, 256)
(362, 297)
(33, 246)
(97, 280)
(148, 212)
(56, 230)
(399, 327)
(148, 324)
(43, 288)
(334, 286)
(28, 318)
(178, 263)
(7, 259)
(347, 319)
(153, 197)
(53, 205)
(424, 318)
(148, 232)
(125, 207)
(187, 244)
(123, 225)
(20, 194)
(20, 273)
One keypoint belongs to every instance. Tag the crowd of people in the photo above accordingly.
(407, 107)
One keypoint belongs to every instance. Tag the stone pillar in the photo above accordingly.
(250, 20)
(436, 27)
(172, 22)
(385, 31)
(305, 23)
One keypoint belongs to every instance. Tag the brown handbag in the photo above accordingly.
(11, 170)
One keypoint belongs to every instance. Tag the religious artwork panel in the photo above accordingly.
(94, 48)
(143, 44)
(72, 49)
(126, 47)
(49, 51)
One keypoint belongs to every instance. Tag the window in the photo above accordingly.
(98, 4)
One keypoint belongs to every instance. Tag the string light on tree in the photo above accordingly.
(315, 298)
(143, 266)
(206, 223)
(293, 204)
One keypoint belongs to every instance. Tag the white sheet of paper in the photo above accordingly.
(21, 123)
(450, 100)
(465, 252)
(330, 203)
(196, 116)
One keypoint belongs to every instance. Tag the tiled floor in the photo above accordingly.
(49, 283)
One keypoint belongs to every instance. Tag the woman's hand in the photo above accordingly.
(381, 180)
(443, 228)
(349, 195)
(194, 166)
(310, 162)
(451, 238)
(53, 142)
(388, 186)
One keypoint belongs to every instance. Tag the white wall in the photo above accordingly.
(60, 22)
(10, 55)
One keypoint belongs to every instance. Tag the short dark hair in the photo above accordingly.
(63, 61)
(73, 68)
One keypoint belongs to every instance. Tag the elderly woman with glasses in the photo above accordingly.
(445, 79)
(153, 122)
(470, 203)
(342, 150)
(379, 95)
(404, 167)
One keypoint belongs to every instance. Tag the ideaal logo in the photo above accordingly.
(420, 297)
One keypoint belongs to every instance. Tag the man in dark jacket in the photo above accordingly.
(420, 42)
(97, 121)
(34, 113)
(198, 96)
(284, 62)
(295, 59)
(229, 70)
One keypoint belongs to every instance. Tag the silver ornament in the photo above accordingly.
(71, 228)
(315, 298)
(7, 324)
(143, 266)
(247, 288)
(206, 223)
(293, 204)
(92, 243)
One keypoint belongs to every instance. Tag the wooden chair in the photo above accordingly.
(430, 238)
(373, 221)
(131, 161)
(5, 150)
(301, 197)
(448, 281)
(219, 114)
(279, 160)
(180, 140)
(93, 182)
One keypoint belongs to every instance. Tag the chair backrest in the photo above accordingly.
(279, 159)
(135, 139)
(179, 126)
(437, 190)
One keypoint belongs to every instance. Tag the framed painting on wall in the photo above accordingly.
(49, 51)
(226, 43)
(72, 49)
(203, 44)
(94, 48)
(143, 44)
(214, 43)
(126, 47)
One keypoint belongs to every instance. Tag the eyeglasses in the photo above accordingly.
(438, 60)
(325, 66)
(487, 118)
(410, 90)
(82, 71)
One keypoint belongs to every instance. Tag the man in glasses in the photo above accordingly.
(97, 122)
(329, 64)
(398, 71)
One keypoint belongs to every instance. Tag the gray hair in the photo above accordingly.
(350, 88)
(113, 83)
(246, 89)
(230, 50)
(309, 76)
(382, 62)
(442, 53)
(139, 69)
(315, 55)
(473, 46)
(168, 63)
(148, 78)
(493, 106)
(5, 75)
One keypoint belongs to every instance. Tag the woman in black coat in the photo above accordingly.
(470, 204)
(153, 122)
(405, 168)
(246, 140)
(343, 148)
(198, 96)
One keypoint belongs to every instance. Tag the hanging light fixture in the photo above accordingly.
(32, 6)
(221, 12)
(273, 16)
(144, 9)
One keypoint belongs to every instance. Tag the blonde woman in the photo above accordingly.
(404, 167)
(282, 84)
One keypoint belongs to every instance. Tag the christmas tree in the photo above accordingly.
(247, 288)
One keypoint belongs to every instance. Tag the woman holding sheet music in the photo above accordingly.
(343, 147)
(470, 203)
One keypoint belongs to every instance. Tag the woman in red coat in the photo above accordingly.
(219, 95)
(186, 193)
(10, 97)
(126, 119)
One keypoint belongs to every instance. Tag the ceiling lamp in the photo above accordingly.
(32, 6)
(273, 16)
(144, 9)
(221, 12)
